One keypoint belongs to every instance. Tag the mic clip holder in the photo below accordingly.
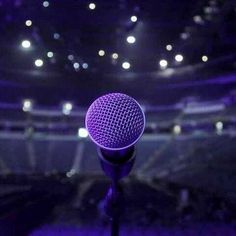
(117, 164)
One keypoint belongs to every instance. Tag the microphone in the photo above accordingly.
(115, 122)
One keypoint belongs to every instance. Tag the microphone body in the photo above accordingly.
(118, 167)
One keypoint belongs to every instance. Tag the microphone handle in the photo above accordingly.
(117, 168)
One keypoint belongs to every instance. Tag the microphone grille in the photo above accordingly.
(115, 121)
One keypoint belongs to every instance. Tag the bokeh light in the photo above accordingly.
(131, 39)
(38, 62)
(126, 65)
(26, 44)
(179, 58)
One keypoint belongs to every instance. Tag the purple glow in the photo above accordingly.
(115, 121)
(190, 230)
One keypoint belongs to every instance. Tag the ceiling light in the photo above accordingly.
(28, 23)
(82, 133)
(50, 54)
(133, 18)
(168, 47)
(92, 6)
(179, 58)
(163, 63)
(198, 19)
(46, 4)
(85, 65)
(26, 44)
(177, 129)
(101, 53)
(115, 56)
(126, 65)
(38, 62)
(219, 126)
(131, 39)
(56, 36)
(27, 105)
(204, 58)
(67, 108)
(70, 57)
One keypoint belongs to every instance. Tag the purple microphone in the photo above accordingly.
(115, 122)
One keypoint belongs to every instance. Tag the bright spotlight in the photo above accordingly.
(163, 63)
(38, 62)
(219, 126)
(27, 105)
(179, 58)
(26, 44)
(101, 53)
(126, 65)
(76, 65)
(115, 56)
(28, 23)
(67, 108)
(50, 54)
(85, 65)
(177, 129)
(82, 133)
(131, 39)
(169, 47)
(133, 18)
(204, 58)
(46, 4)
(92, 6)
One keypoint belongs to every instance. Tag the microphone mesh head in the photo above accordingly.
(115, 121)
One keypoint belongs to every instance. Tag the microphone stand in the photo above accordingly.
(113, 206)
(116, 165)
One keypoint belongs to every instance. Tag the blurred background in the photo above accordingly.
(176, 58)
